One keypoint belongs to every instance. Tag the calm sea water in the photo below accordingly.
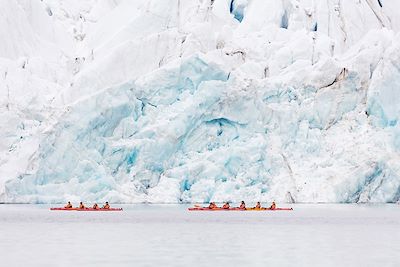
(169, 235)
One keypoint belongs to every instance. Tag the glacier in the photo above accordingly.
(195, 101)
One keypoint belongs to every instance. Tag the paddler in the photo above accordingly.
(212, 205)
(106, 206)
(258, 205)
(273, 206)
(242, 205)
(69, 205)
(95, 206)
(81, 206)
(226, 206)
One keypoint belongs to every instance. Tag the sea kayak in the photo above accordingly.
(267, 209)
(235, 209)
(214, 209)
(88, 209)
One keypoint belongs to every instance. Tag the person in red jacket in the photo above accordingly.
(106, 206)
(212, 205)
(226, 206)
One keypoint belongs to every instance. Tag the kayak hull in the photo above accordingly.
(214, 209)
(236, 209)
(87, 209)
(267, 209)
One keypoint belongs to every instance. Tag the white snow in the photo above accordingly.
(186, 101)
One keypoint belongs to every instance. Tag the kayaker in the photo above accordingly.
(68, 206)
(226, 206)
(212, 205)
(81, 206)
(95, 206)
(106, 206)
(258, 205)
(242, 205)
(273, 206)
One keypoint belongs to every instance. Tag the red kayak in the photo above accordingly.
(235, 209)
(88, 209)
(214, 209)
(268, 209)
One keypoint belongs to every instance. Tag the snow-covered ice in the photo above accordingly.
(191, 101)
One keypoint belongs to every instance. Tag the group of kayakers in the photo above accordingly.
(82, 206)
(242, 206)
(212, 205)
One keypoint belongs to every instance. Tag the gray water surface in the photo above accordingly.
(169, 235)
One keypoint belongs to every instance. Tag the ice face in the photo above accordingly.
(384, 94)
(179, 102)
(113, 134)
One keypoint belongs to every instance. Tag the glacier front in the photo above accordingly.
(196, 101)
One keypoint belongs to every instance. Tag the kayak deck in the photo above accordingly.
(87, 209)
(268, 209)
(236, 209)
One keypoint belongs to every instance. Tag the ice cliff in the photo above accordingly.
(199, 100)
